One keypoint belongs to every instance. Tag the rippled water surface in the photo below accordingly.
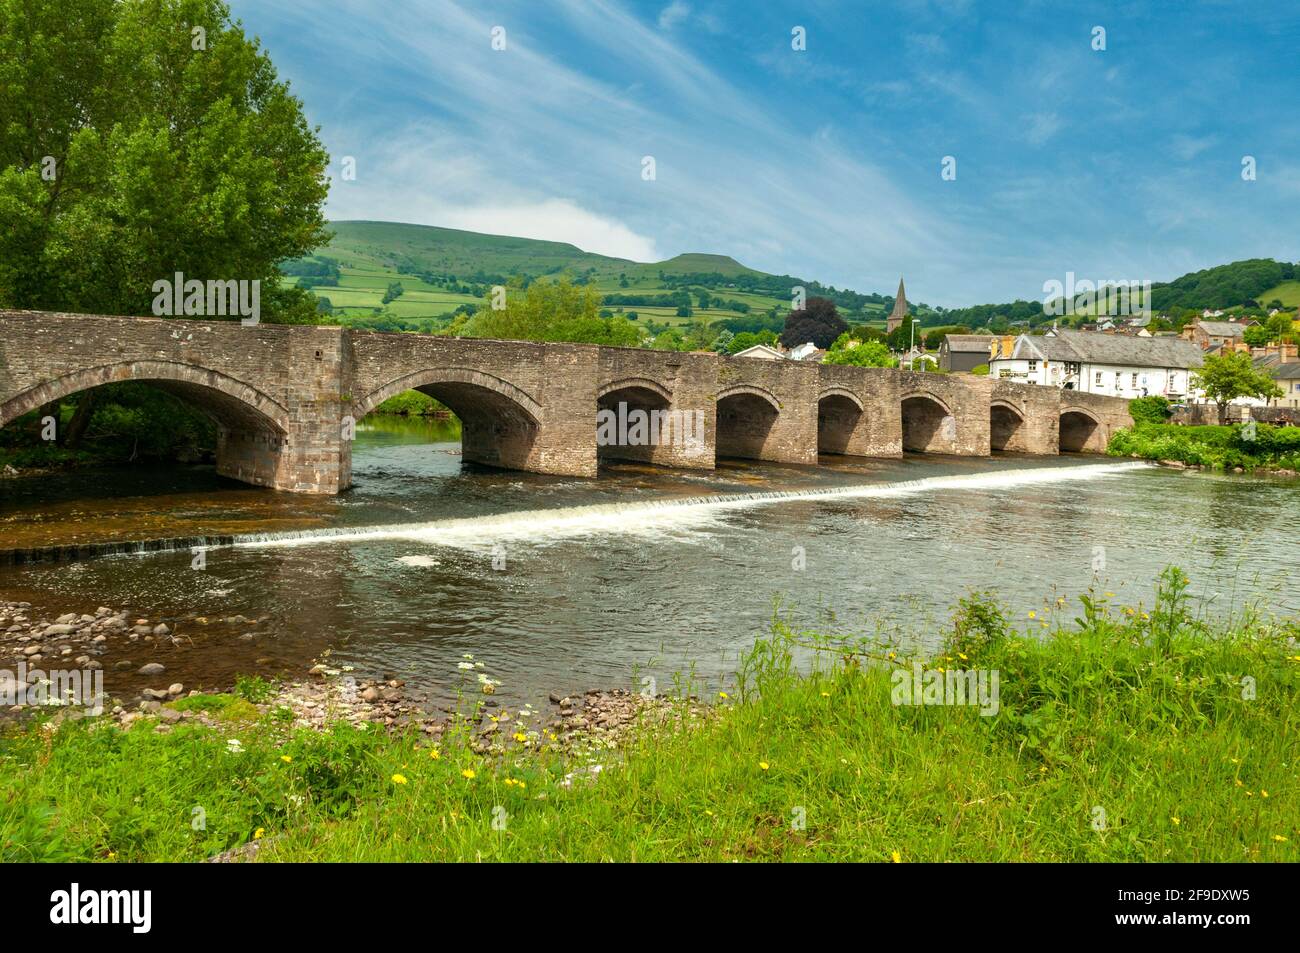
(566, 584)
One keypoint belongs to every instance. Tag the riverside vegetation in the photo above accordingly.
(1125, 733)
(1249, 447)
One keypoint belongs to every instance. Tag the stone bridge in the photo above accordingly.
(285, 398)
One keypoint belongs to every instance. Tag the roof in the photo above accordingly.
(761, 350)
(1222, 329)
(1086, 347)
(970, 342)
(1286, 372)
(900, 302)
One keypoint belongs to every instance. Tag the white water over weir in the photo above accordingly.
(653, 516)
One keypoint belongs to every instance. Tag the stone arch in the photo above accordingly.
(745, 417)
(839, 418)
(628, 399)
(637, 383)
(928, 425)
(1080, 431)
(232, 403)
(753, 391)
(433, 377)
(1005, 423)
(846, 393)
(499, 422)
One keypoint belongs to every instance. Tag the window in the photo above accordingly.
(1033, 367)
(1099, 378)
(1135, 380)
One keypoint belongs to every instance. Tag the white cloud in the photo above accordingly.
(1041, 127)
(673, 14)
(556, 220)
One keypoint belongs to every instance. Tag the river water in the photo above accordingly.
(566, 584)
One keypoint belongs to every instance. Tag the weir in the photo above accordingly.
(286, 399)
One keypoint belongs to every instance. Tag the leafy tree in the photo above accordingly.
(903, 336)
(126, 155)
(1225, 377)
(722, 344)
(818, 322)
(1149, 410)
(551, 311)
(394, 292)
(859, 354)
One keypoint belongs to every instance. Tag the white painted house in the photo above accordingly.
(1116, 365)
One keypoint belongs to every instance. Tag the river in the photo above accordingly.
(563, 584)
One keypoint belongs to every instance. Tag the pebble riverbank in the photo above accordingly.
(579, 722)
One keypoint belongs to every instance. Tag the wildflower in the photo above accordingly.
(826, 694)
(465, 666)
(234, 745)
(1110, 595)
(896, 857)
(723, 695)
(763, 765)
(1033, 614)
(519, 736)
(435, 754)
(1279, 838)
(285, 758)
(1263, 793)
(257, 834)
(1176, 821)
(962, 656)
(399, 779)
(468, 774)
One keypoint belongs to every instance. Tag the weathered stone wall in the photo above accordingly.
(284, 398)
(274, 392)
(945, 414)
(1088, 420)
(858, 411)
(1024, 418)
(767, 410)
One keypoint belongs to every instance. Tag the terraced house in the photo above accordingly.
(1110, 364)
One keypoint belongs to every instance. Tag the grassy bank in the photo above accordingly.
(1122, 733)
(1235, 445)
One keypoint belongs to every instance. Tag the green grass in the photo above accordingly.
(1143, 714)
(1288, 292)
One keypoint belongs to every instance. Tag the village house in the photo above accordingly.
(764, 351)
(1111, 364)
(963, 352)
(1216, 334)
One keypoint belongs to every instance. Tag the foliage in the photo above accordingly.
(1222, 286)
(410, 403)
(863, 354)
(166, 158)
(1224, 447)
(552, 311)
(818, 321)
(1149, 410)
(980, 370)
(1225, 377)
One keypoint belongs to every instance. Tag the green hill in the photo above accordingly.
(443, 269)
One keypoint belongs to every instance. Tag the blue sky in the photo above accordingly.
(1117, 164)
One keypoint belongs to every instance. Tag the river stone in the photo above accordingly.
(66, 618)
(31, 650)
(175, 688)
(161, 629)
(61, 628)
(155, 694)
(370, 695)
(123, 665)
(152, 668)
(170, 715)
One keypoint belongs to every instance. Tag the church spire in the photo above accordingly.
(900, 308)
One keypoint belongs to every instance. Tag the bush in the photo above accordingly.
(1149, 410)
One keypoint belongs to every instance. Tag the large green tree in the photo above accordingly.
(140, 138)
(1226, 377)
(549, 311)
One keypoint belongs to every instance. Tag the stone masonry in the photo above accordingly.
(286, 399)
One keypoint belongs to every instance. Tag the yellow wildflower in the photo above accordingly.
(763, 765)
(399, 779)
(468, 774)
(896, 857)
